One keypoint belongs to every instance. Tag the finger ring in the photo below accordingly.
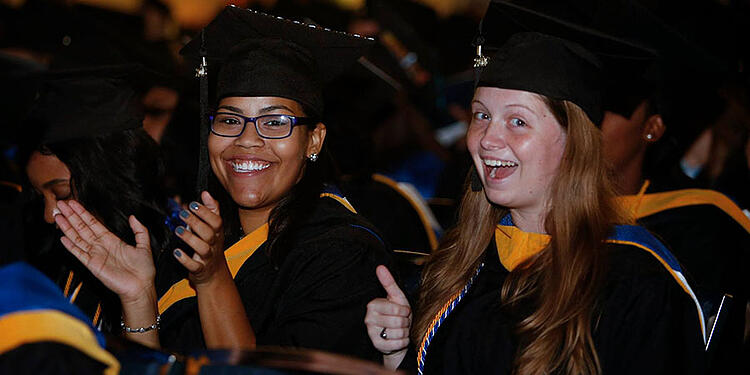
(383, 334)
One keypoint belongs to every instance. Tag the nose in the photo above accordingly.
(493, 137)
(249, 137)
(50, 205)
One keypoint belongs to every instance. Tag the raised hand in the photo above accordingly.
(206, 238)
(126, 270)
(388, 320)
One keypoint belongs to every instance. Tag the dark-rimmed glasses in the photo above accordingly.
(227, 124)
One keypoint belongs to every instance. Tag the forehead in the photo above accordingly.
(497, 98)
(44, 168)
(251, 105)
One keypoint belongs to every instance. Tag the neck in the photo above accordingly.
(630, 176)
(252, 219)
(529, 220)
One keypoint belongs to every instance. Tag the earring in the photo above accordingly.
(313, 157)
(649, 136)
(476, 183)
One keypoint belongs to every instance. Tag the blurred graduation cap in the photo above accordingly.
(264, 55)
(627, 64)
(86, 102)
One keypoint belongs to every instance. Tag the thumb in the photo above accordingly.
(142, 240)
(210, 202)
(391, 287)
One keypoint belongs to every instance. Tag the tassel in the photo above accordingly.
(203, 164)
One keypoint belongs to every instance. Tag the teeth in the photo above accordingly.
(499, 163)
(249, 166)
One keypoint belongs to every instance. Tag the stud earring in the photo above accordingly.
(313, 157)
(649, 137)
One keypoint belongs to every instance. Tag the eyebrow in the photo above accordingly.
(56, 181)
(520, 105)
(275, 107)
(478, 102)
(231, 108)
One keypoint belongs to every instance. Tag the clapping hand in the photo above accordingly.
(125, 269)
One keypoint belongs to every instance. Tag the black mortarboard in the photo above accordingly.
(626, 64)
(86, 102)
(264, 55)
(549, 66)
(680, 79)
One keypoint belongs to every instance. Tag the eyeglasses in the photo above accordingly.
(226, 124)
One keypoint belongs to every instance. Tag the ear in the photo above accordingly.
(317, 137)
(653, 129)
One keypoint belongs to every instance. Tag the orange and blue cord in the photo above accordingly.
(440, 317)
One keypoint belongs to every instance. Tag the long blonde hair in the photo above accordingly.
(560, 283)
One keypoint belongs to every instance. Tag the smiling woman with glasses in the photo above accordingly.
(278, 257)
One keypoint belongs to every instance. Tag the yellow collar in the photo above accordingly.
(514, 246)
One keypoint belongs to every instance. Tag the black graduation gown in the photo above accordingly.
(316, 298)
(42, 332)
(391, 210)
(646, 323)
(704, 230)
(400, 219)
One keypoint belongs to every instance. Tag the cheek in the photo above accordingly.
(544, 156)
(473, 139)
(216, 146)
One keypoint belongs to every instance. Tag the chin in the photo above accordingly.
(247, 199)
(500, 198)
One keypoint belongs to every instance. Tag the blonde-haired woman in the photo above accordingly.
(538, 277)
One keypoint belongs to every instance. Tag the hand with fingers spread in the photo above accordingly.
(388, 320)
(125, 269)
(206, 237)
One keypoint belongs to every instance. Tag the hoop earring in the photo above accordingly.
(313, 157)
(476, 183)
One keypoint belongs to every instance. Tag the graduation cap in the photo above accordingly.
(264, 55)
(86, 102)
(548, 66)
(680, 74)
(627, 64)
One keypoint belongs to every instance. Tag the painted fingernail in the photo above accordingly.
(177, 253)
(55, 212)
(180, 230)
(184, 214)
(194, 206)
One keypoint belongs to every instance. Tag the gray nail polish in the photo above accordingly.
(194, 206)
(184, 214)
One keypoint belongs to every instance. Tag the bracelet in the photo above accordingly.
(141, 329)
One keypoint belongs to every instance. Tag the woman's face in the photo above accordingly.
(516, 145)
(50, 178)
(258, 172)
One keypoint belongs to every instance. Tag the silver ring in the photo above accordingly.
(383, 334)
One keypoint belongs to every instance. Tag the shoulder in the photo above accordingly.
(333, 231)
(706, 206)
(635, 253)
(331, 220)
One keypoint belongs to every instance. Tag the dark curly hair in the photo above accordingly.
(116, 175)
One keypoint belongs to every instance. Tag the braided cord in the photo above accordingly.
(440, 317)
